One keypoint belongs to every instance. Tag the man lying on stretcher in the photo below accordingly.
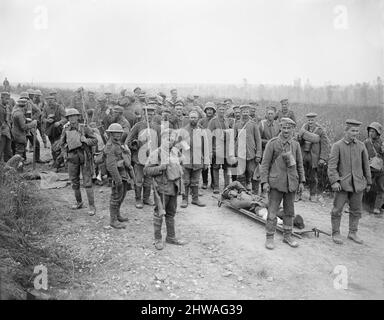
(240, 198)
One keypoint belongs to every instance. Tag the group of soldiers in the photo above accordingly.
(149, 144)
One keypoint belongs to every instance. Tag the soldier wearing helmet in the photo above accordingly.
(76, 143)
(375, 147)
(118, 163)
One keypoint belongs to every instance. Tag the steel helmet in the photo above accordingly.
(38, 92)
(210, 105)
(115, 127)
(30, 91)
(72, 112)
(24, 95)
(377, 126)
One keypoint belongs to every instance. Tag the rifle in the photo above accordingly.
(160, 207)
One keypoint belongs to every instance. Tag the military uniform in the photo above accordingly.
(40, 125)
(348, 166)
(79, 158)
(53, 118)
(203, 123)
(194, 162)
(374, 148)
(118, 163)
(5, 130)
(137, 138)
(34, 112)
(20, 128)
(268, 130)
(313, 152)
(282, 169)
(167, 186)
(249, 130)
(218, 128)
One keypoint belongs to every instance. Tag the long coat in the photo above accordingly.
(275, 171)
(20, 125)
(349, 165)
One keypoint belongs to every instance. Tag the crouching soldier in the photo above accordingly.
(349, 175)
(282, 174)
(167, 173)
(76, 143)
(118, 163)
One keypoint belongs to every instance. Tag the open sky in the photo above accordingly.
(192, 41)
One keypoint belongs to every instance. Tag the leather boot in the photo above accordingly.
(146, 196)
(195, 197)
(184, 202)
(171, 236)
(157, 222)
(353, 226)
(114, 222)
(120, 218)
(139, 203)
(79, 202)
(288, 237)
(215, 184)
(255, 187)
(91, 201)
(336, 237)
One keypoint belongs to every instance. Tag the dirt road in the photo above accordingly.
(225, 256)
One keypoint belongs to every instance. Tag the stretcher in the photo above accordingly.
(298, 233)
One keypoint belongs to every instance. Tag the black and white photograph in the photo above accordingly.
(211, 152)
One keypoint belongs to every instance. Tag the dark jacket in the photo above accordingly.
(5, 126)
(20, 126)
(268, 131)
(118, 161)
(349, 165)
(250, 131)
(274, 169)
